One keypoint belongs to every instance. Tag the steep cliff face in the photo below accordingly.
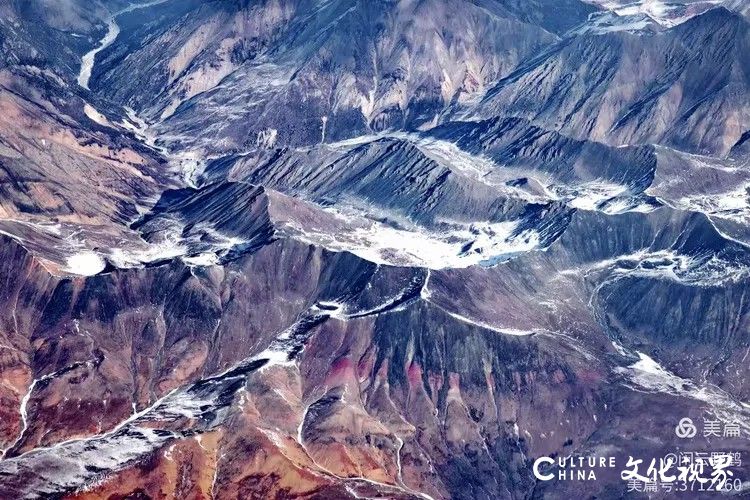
(347, 249)
(310, 71)
(685, 87)
(379, 356)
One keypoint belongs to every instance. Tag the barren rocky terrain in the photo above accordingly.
(368, 249)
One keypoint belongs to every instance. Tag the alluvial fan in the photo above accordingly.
(403, 249)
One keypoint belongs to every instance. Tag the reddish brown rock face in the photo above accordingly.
(295, 249)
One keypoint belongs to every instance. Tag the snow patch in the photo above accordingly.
(167, 249)
(460, 162)
(590, 195)
(267, 138)
(461, 246)
(667, 14)
(706, 270)
(173, 245)
(649, 375)
(609, 22)
(324, 123)
(96, 116)
(85, 264)
(206, 259)
(733, 205)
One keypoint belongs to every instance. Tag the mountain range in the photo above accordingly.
(369, 248)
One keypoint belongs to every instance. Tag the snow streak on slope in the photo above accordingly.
(694, 270)
(667, 14)
(187, 411)
(80, 461)
(733, 205)
(523, 184)
(481, 243)
(511, 196)
(27, 397)
(649, 375)
(460, 162)
(77, 259)
(609, 22)
(595, 195)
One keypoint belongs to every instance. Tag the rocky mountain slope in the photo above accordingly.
(685, 87)
(368, 249)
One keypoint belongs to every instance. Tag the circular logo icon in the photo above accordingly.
(685, 429)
